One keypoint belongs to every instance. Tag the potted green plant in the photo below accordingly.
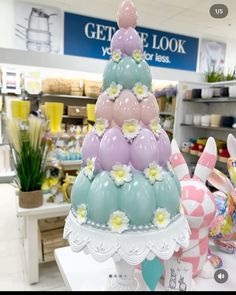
(230, 76)
(214, 76)
(30, 154)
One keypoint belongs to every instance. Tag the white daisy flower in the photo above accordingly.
(155, 127)
(161, 218)
(141, 91)
(90, 168)
(101, 126)
(116, 55)
(121, 174)
(114, 90)
(118, 222)
(82, 213)
(137, 56)
(153, 173)
(131, 129)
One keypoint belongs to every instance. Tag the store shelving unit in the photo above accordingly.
(166, 114)
(217, 105)
(227, 129)
(219, 159)
(67, 99)
(212, 100)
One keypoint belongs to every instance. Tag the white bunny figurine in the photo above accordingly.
(198, 205)
(223, 229)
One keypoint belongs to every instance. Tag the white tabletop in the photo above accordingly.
(81, 272)
(46, 208)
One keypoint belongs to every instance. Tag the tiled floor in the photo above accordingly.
(13, 276)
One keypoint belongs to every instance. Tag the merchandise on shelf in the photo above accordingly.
(11, 81)
(92, 88)
(77, 111)
(32, 83)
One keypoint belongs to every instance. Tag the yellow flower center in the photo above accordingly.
(120, 173)
(139, 90)
(82, 213)
(113, 90)
(100, 127)
(153, 172)
(160, 217)
(117, 221)
(131, 128)
(90, 166)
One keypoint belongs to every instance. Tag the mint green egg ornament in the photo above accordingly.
(80, 189)
(137, 200)
(127, 73)
(167, 194)
(109, 75)
(102, 198)
(144, 74)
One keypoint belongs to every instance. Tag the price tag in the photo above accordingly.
(178, 275)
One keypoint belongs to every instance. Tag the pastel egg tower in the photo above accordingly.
(127, 183)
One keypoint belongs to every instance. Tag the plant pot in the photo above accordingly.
(32, 199)
(207, 93)
(227, 121)
(232, 91)
(216, 92)
(224, 92)
(196, 93)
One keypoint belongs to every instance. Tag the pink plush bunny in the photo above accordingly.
(198, 205)
(223, 228)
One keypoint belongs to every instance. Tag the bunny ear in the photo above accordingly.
(220, 181)
(207, 161)
(177, 161)
(231, 145)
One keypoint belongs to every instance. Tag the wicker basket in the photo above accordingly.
(29, 200)
(77, 87)
(92, 88)
(77, 111)
(57, 86)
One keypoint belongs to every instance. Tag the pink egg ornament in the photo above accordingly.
(91, 147)
(149, 109)
(127, 15)
(104, 107)
(114, 149)
(164, 148)
(132, 42)
(126, 107)
(118, 40)
(144, 150)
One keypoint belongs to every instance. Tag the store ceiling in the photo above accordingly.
(189, 17)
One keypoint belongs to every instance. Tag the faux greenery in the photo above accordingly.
(218, 76)
(230, 76)
(30, 152)
(214, 76)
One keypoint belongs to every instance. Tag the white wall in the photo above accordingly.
(7, 23)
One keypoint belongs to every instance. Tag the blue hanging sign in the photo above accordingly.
(90, 37)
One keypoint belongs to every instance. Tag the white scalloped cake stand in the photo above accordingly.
(128, 249)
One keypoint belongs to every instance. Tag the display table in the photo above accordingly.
(31, 232)
(81, 272)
